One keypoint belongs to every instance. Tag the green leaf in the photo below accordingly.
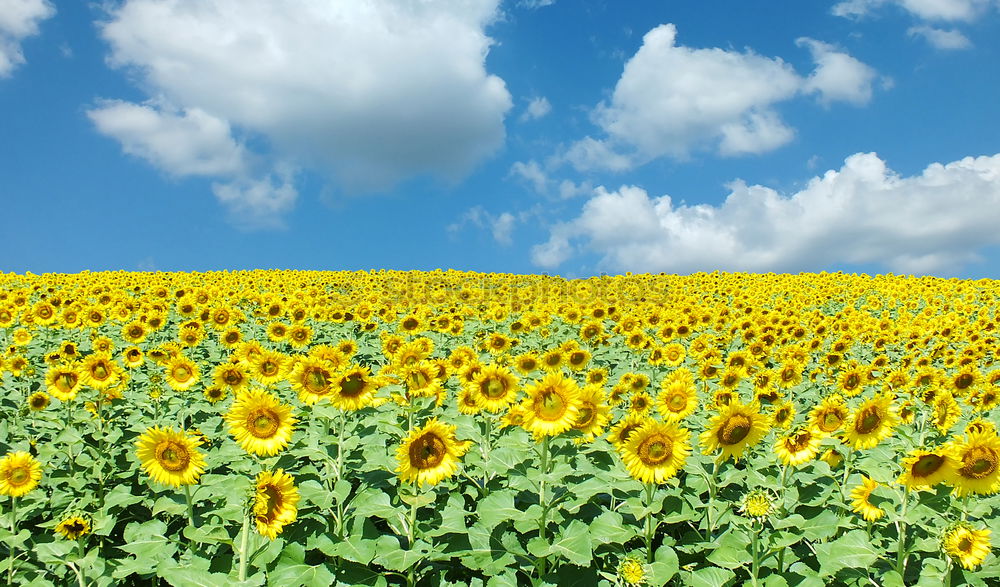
(664, 566)
(609, 528)
(573, 544)
(821, 526)
(853, 550)
(496, 508)
(709, 577)
(732, 551)
(184, 577)
(396, 558)
(208, 534)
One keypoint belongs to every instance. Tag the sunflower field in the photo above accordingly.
(449, 428)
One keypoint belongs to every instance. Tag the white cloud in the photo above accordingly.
(370, 93)
(501, 226)
(537, 108)
(535, 4)
(672, 100)
(838, 76)
(258, 203)
(532, 173)
(191, 142)
(946, 10)
(934, 222)
(19, 19)
(940, 38)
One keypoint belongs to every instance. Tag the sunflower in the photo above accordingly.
(783, 414)
(231, 376)
(622, 431)
(268, 366)
(578, 359)
(274, 502)
(494, 388)
(830, 414)
(677, 400)
(181, 373)
(798, 447)
(73, 527)
(655, 451)
(945, 413)
(99, 371)
(966, 545)
(430, 454)
(62, 382)
(734, 429)
(978, 464)
(871, 423)
(641, 403)
(19, 474)
(758, 504)
(353, 388)
(631, 571)
(214, 394)
(260, 423)
(861, 503)
(926, 468)
(552, 360)
(133, 357)
(312, 378)
(38, 401)
(170, 458)
(551, 405)
(592, 414)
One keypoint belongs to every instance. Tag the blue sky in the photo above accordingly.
(516, 136)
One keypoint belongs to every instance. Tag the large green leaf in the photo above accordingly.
(853, 550)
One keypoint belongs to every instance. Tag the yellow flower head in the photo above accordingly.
(430, 454)
(758, 504)
(926, 468)
(978, 464)
(656, 451)
(19, 474)
(631, 571)
(798, 447)
(551, 405)
(275, 502)
(260, 423)
(871, 423)
(181, 373)
(73, 527)
(169, 457)
(861, 503)
(966, 545)
(736, 428)
(494, 388)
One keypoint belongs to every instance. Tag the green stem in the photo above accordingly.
(782, 512)
(244, 539)
(484, 448)
(543, 522)
(13, 531)
(755, 552)
(709, 527)
(901, 553)
(411, 535)
(965, 507)
(650, 490)
(190, 505)
(947, 571)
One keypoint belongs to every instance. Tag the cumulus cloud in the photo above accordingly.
(537, 108)
(258, 203)
(532, 173)
(181, 143)
(838, 76)
(672, 100)
(370, 93)
(942, 10)
(950, 39)
(19, 19)
(934, 222)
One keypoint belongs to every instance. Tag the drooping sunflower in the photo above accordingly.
(353, 388)
(275, 502)
(62, 382)
(677, 400)
(656, 451)
(19, 474)
(945, 413)
(861, 500)
(592, 414)
(494, 388)
(181, 373)
(430, 454)
(926, 468)
(169, 457)
(736, 428)
(73, 527)
(260, 423)
(978, 464)
(798, 447)
(871, 423)
(38, 401)
(622, 431)
(551, 405)
(966, 545)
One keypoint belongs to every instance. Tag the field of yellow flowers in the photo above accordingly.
(449, 428)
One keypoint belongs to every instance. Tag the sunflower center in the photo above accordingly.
(677, 402)
(927, 465)
(852, 381)
(830, 421)
(269, 368)
(75, 527)
(352, 385)
(181, 373)
(735, 429)
(427, 451)
(980, 462)
(655, 450)
(233, 378)
(315, 380)
(100, 371)
(18, 476)
(550, 405)
(66, 381)
(799, 441)
(584, 416)
(418, 380)
(493, 388)
(263, 423)
(868, 420)
(963, 381)
(269, 498)
(172, 456)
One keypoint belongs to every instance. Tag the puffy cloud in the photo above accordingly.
(370, 92)
(940, 38)
(934, 222)
(837, 76)
(948, 10)
(537, 108)
(258, 203)
(532, 173)
(190, 142)
(672, 100)
(501, 226)
(19, 19)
